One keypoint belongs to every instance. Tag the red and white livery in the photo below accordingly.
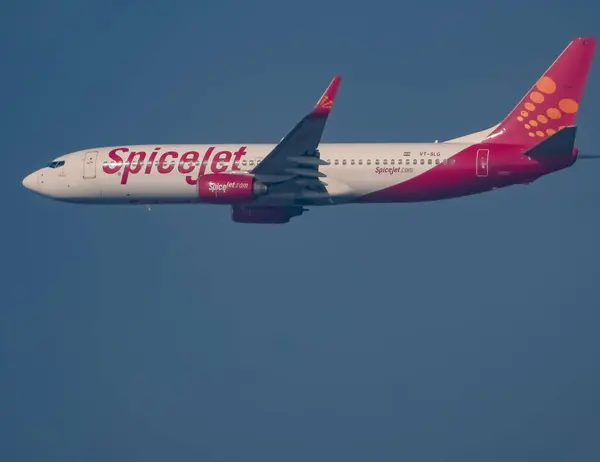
(265, 183)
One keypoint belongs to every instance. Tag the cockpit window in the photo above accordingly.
(56, 163)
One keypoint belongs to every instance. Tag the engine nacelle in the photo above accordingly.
(229, 188)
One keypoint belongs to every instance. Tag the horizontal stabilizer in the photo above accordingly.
(559, 144)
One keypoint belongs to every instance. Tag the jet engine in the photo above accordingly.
(229, 188)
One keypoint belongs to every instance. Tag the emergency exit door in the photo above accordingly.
(483, 159)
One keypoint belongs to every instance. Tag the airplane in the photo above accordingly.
(273, 183)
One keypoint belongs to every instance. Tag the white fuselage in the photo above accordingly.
(150, 174)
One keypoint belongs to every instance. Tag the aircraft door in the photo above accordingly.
(482, 162)
(89, 164)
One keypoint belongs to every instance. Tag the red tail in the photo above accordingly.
(552, 103)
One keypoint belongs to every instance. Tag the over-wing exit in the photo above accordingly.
(272, 183)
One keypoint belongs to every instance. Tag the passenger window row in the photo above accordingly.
(251, 163)
(393, 162)
(174, 162)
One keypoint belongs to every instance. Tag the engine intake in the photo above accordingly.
(228, 188)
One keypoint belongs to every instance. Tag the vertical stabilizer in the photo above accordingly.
(552, 103)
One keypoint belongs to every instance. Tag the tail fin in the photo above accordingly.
(552, 103)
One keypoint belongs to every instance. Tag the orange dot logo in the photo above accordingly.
(529, 106)
(325, 102)
(553, 113)
(550, 132)
(568, 105)
(527, 126)
(536, 97)
(533, 123)
(540, 133)
(532, 134)
(524, 113)
(520, 119)
(542, 119)
(546, 85)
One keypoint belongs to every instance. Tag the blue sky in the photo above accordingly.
(457, 330)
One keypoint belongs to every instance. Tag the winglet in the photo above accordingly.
(323, 107)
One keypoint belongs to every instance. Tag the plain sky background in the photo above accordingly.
(459, 330)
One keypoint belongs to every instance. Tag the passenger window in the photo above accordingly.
(368, 161)
(344, 162)
(422, 161)
(359, 161)
(251, 162)
(384, 161)
(414, 161)
(429, 161)
(376, 161)
(399, 161)
(352, 162)
(391, 161)
(437, 161)
(336, 162)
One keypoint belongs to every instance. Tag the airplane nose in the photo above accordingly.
(30, 181)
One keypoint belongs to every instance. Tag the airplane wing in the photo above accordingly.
(291, 169)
